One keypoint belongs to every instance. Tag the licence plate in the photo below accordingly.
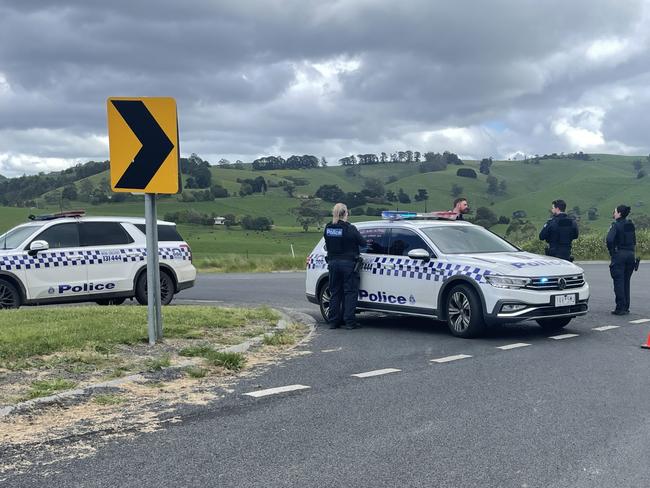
(564, 300)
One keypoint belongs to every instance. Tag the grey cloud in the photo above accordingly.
(233, 67)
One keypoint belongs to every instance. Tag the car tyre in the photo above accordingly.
(110, 301)
(464, 312)
(554, 324)
(9, 295)
(324, 298)
(166, 288)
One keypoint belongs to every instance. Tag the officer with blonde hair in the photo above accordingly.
(342, 241)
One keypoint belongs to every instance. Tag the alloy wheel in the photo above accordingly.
(460, 311)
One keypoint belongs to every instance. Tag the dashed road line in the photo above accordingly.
(606, 327)
(639, 321)
(377, 372)
(513, 346)
(332, 350)
(275, 391)
(563, 336)
(451, 358)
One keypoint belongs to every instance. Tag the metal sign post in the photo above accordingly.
(154, 316)
(144, 154)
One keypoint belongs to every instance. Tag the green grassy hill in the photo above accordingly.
(602, 183)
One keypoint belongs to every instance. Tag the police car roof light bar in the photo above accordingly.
(59, 215)
(407, 215)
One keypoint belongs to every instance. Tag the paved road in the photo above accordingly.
(555, 413)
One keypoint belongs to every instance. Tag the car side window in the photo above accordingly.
(104, 234)
(403, 240)
(60, 235)
(376, 240)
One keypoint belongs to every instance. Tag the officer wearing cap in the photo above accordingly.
(621, 241)
(342, 241)
(559, 231)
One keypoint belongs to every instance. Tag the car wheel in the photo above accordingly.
(166, 289)
(110, 301)
(554, 324)
(9, 296)
(324, 298)
(464, 313)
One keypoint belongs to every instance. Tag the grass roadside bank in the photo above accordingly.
(46, 350)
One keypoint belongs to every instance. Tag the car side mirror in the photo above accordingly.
(37, 246)
(421, 254)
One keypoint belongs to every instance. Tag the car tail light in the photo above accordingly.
(189, 250)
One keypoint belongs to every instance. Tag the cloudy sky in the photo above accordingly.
(329, 78)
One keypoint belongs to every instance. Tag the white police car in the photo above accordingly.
(67, 257)
(457, 272)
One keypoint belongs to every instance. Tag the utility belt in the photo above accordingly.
(357, 260)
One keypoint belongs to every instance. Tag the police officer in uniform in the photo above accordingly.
(342, 241)
(621, 241)
(559, 231)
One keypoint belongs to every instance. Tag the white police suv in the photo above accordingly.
(455, 271)
(68, 257)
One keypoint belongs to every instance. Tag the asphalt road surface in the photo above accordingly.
(434, 410)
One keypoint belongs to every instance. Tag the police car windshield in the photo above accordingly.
(466, 239)
(15, 237)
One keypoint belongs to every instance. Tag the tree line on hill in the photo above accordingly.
(24, 190)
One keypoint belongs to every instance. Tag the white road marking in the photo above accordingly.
(639, 321)
(377, 372)
(451, 358)
(275, 391)
(332, 350)
(563, 336)
(606, 327)
(513, 346)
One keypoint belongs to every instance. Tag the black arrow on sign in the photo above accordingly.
(156, 146)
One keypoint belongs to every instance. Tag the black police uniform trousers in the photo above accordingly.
(621, 269)
(344, 291)
(562, 252)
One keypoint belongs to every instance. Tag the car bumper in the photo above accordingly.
(311, 298)
(532, 305)
(185, 285)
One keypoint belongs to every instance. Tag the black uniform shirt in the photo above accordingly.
(621, 236)
(342, 240)
(559, 230)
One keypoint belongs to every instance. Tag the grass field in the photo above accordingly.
(602, 183)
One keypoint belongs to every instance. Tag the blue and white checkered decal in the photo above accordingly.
(316, 261)
(436, 271)
(55, 259)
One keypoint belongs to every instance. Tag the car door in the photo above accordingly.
(60, 271)
(109, 249)
(414, 283)
(373, 273)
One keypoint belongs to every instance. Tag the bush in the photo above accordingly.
(503, 220)
(219, 191)
(373, 212)
(519, 214)
(466, 173)
(256, 223)
(485, 217)
(190, 217)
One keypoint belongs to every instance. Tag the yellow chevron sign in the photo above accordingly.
(143, 145)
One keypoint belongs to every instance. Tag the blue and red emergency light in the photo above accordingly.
(408, 215)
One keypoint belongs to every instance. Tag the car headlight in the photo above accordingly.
(507, 281)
